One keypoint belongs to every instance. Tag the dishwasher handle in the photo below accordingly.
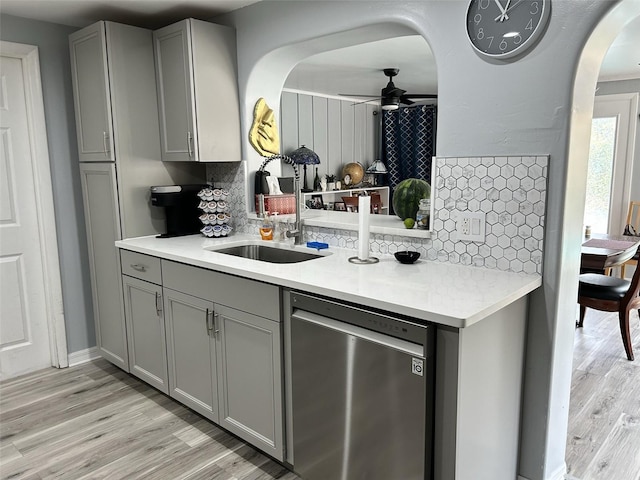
(388, 341)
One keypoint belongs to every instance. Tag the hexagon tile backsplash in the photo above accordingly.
(511, 191)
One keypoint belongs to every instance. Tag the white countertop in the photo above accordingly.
(448, 294)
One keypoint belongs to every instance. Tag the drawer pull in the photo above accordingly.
(158, 304)
(189, 143)
(139, 267)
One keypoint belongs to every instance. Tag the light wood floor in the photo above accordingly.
(603, 441)
(95, 421)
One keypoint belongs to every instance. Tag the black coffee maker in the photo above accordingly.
(180, 204)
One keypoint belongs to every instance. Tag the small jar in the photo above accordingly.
(424, 212)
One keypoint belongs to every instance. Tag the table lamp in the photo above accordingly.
(377, 169)
(304, 156)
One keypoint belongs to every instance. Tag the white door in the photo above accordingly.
(610, 162)
(29, 290)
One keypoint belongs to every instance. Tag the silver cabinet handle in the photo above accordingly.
(216, 330)
(105, 136)
(158, 304)
(189, 142)
(139, 267)
(209, 321)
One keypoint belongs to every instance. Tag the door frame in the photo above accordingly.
(30, 58)
(625, 107)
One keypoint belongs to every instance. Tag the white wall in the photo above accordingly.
(338, 131)
(528, 106)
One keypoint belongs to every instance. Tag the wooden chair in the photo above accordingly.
(633, 219)
(351, 203)
(376, 203)
(611, 294)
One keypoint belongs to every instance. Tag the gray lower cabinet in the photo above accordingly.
(210, 340)
(102, 220)
(145, 331)
(250, 378)
(191, 352)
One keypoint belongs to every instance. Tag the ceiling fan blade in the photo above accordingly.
(358, 95)
(404, 100)
(420, 95)
(366, 101)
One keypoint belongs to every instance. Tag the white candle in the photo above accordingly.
(364, 205)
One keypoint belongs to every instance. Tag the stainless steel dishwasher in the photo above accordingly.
(361, 392)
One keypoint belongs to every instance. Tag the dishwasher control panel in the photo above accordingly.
(377, 321)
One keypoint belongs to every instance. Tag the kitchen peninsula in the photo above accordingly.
(479, 315)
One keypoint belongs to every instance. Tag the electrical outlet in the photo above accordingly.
(465, 226)
(471, 226)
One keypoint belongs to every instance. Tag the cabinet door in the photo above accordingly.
(91, 94)
(102, 220)
(249, 378)
(172, 48)
(191, 352)
(145, 331)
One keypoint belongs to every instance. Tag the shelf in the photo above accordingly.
(334, 196)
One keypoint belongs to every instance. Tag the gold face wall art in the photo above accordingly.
(263, 135)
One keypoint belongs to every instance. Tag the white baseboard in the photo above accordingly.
(83, 356)
(559, 474)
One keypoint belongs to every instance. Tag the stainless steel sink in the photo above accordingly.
(264, 253)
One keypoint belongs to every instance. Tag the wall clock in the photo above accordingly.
(506, 28)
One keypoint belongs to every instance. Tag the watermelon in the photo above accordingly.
(407, 195)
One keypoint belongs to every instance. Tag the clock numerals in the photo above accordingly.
(504, 28)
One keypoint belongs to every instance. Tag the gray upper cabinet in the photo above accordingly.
(91, 92)
(198, 99)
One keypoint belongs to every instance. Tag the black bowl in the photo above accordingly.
(407, 256)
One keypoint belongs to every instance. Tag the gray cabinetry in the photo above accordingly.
(238, 351)
(249, 378)
(113, 76)
(191, 352)
(210, 340)
(145, 322)
(197, 92)
(92, 96)
(100, 199)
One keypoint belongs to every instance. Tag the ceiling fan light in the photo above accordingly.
(389, 103)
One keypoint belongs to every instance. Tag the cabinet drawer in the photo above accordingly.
(138, 265)
(240, 293)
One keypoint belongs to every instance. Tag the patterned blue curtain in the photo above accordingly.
(409, 142)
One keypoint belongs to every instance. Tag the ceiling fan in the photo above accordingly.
(391, 96)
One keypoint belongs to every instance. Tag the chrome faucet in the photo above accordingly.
(296, 233)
